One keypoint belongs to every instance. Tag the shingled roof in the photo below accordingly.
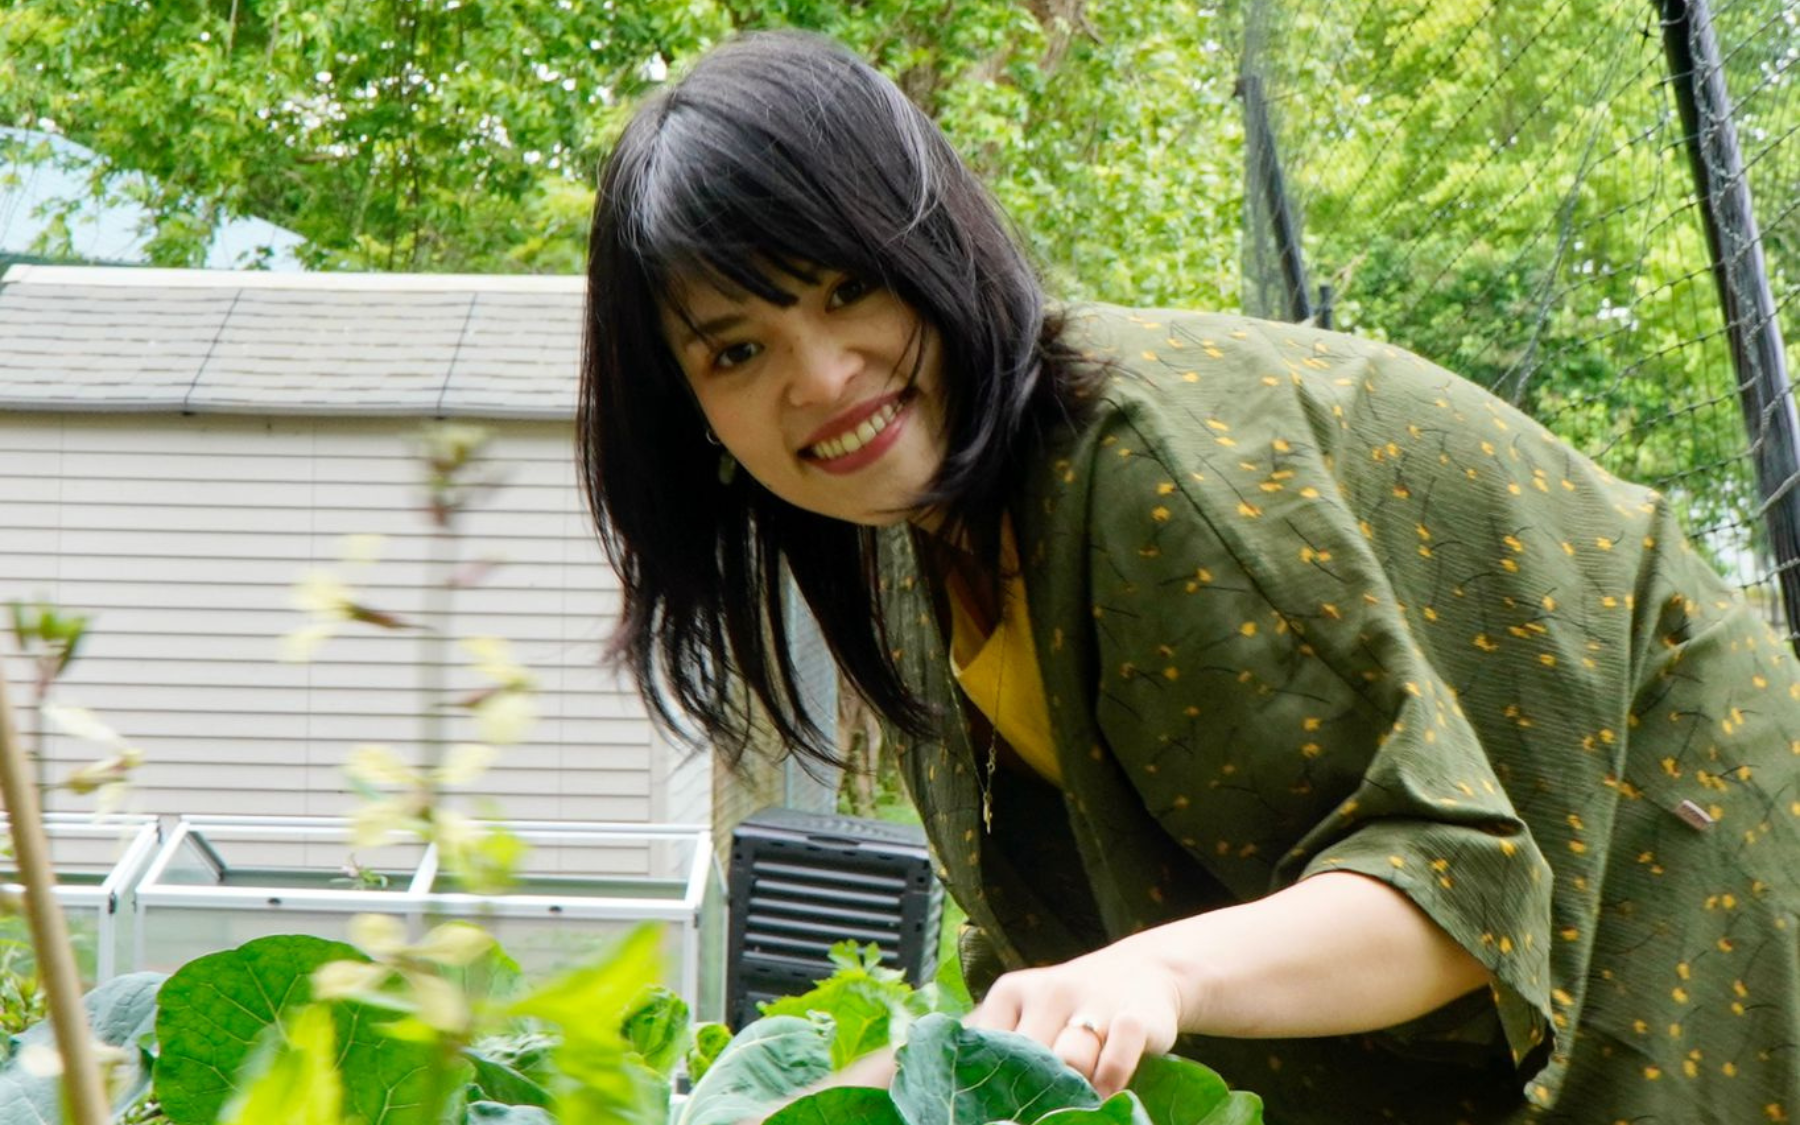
(222, 342)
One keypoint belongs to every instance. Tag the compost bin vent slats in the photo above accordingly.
(802, 882)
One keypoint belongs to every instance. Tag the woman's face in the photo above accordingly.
(817, 399)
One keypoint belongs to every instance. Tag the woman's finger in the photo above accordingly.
(999, 1011)
(1045, 1020)
(1080, 1044)
(1122, 1048)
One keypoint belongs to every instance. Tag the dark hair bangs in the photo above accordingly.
(717, 211)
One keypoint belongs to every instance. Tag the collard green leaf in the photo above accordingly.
(872, 1005)
(28, 1099)
(1178, 1091)
(496, 1113)
(496, 1082)
(123, 1010)
(656, 1026)
(290, 1076)
(838, 1105)
(709, 1040)
(866, 1014)
(120, 1013)
(768, 1062)
(1241, 1108)
(981, 1076)
(1123, 1108)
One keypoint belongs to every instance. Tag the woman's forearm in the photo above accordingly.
(1334, 954)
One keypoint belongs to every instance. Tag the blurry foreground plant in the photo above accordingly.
(51, 638)
(395, 795)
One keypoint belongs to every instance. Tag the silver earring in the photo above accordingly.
(711, 438)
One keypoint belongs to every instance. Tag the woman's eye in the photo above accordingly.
(734, 354)
(848, 290)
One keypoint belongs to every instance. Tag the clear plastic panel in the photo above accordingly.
(175, 935)
(87, 932)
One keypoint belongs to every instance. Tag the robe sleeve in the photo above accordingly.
(1262, 685)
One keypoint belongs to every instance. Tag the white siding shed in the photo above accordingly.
(177, 448)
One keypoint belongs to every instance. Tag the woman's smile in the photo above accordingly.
(855, 443)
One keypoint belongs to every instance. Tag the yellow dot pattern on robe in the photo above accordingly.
(1577, 764)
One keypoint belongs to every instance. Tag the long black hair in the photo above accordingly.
(779, 153)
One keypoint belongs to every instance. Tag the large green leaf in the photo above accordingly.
(768, 1062)
(838, 1105)
(656, 1026)
(1240, 1108)
(709, 1040)
(494, 1113)
(213, 1010)
(953, 1075)
(289, 1078)
(1178, 1091)
(496, 1082)
(121, 1013)
(1123, 1108)
(870, 1004)
(388, 1079)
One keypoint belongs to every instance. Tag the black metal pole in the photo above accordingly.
(1720, 184)
(1269, 179)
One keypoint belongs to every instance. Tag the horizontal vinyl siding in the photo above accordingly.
(183, 538)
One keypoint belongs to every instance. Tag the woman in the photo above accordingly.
(1268, 695)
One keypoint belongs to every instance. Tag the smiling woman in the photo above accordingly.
(1268, 695)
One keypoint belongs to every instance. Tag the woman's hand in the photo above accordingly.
(1336, 953)
(1100, 1013)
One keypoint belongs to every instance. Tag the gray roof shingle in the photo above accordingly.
(220, 342)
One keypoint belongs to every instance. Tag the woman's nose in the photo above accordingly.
(822, 369)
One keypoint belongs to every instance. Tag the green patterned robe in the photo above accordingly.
(1308, 603)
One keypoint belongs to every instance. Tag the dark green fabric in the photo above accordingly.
(1308, 603)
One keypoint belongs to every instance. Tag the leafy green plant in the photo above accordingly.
(249, 1036)
(121, 1014)
(870, 1006)
(227, 1023)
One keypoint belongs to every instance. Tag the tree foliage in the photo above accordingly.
(451, 135)
(1506, 190)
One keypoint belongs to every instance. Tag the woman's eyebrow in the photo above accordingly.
(707, 329)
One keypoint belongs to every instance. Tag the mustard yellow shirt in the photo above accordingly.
(998, 670)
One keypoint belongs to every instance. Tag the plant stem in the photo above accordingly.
(49, 934)
(439, 606)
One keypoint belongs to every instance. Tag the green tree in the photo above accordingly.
(1504, 189)
(449, 135)
(391, 134)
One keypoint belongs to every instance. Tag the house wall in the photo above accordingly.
(183, 537)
